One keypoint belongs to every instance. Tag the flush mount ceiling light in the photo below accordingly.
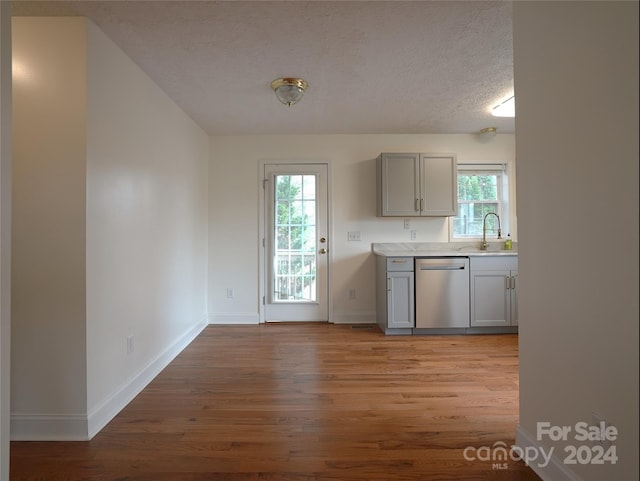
(488, 132)
(289, 90)
(506, 108)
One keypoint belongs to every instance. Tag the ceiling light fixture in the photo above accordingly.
(488, 132)
(289, 90)
(506, 108)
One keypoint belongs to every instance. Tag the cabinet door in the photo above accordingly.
(400, 300)
(439, 186)
(490, 298)
(398, 185)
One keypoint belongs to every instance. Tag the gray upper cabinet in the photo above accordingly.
(413, 184)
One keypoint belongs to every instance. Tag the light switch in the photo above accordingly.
(353, 235)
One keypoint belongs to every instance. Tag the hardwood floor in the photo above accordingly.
(305, 402)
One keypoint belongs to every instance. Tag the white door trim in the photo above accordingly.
(262, 267)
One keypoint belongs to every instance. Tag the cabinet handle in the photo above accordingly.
(508, 282)
(388, 284)
(417, 205)
(513, 283)
(421, 205)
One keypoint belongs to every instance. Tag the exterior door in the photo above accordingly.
(296, 242)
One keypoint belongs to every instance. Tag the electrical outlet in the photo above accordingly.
(407, 224)
(130, 345)
(352, 293)
(229, 293)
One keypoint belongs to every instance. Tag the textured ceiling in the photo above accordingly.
(372, 66)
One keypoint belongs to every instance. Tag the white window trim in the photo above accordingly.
(504, 191)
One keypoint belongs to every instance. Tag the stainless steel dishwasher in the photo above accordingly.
(442, 292)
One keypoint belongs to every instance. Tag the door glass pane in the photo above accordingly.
(295, 239)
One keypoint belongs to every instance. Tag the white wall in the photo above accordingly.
(146, 227)
(5, 234)
(48, 249)
(234, 208)
(576, 78)
(110, 230)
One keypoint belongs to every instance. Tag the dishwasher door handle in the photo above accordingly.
(442, 268)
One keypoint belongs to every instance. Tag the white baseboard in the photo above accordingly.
(250, 318)
(234, 318)
(48, 427)
(354, 318)
(556, 470)
(99, 417)
(80, 427)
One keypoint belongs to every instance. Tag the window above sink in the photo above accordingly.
(482, 188)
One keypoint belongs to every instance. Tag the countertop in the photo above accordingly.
(441, 249)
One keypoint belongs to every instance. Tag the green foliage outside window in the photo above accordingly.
(477, 196)
(294, 264)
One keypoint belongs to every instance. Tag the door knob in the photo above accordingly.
(323, 239)
(323, 251)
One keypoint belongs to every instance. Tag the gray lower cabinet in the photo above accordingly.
(494, 293)
(395, 294)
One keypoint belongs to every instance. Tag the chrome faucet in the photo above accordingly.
(485, 244)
